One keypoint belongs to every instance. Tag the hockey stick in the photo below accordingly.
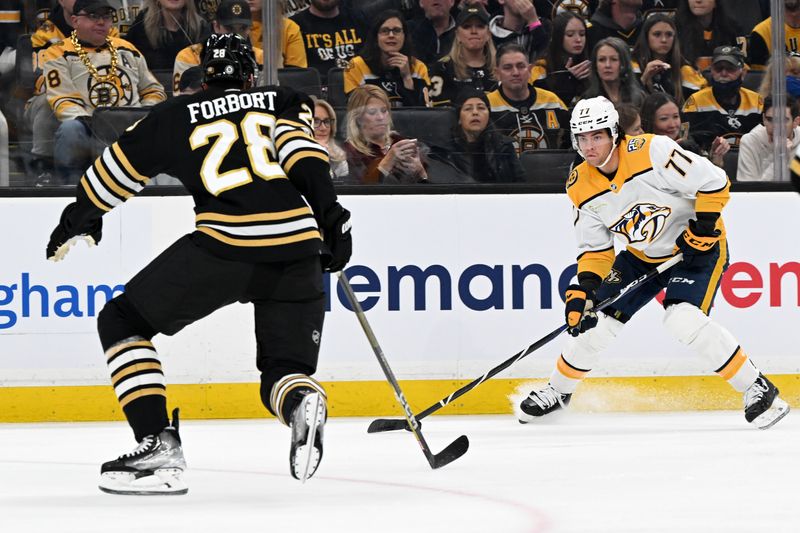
(458, 447)
(388, 424)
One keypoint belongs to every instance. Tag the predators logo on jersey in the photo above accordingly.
(636, 143)
(642, 222)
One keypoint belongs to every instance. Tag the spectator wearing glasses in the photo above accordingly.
(90, 70)
(755, 148)
(726, 110)
(233, 16)
(471, 60)
(324, 132)
(164, 28)
(387, 61)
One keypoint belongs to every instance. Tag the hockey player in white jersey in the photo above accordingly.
(657, 199)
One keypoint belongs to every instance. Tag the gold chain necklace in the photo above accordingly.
(84, 57)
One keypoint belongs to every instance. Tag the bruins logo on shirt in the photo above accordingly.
(118, 92)
(579, 7)
(642, 222)
(573, 177)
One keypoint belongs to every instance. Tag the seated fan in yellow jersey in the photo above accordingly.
(656, 199)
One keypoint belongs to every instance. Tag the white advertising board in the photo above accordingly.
(453, 284)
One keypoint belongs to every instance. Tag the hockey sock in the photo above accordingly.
(580, 353)
(139, 384)
(693, 328)
(287, 393)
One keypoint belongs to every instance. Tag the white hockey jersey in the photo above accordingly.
(657, 188)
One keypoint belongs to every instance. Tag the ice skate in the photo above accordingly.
(155, 467)
(307, 423)
(542, 402)
(762, 406)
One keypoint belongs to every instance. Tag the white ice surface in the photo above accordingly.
(674, 472)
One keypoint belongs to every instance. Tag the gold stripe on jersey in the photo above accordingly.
(691, 79)
(733, 364)
(108, 181)
(150, 391)
(794, 166)
(114, 350)
(646, 258)
(293, 142)
(126, 165)
(704, 101)
(713, 201)
(544, 100)
(598, 262)
(92, 196)
(260, 217)
(716, 276)
(278, 241)
(289, 163)
(135, 370)
(10, 17)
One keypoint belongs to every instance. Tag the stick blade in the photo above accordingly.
(456, 449)
(387, 424)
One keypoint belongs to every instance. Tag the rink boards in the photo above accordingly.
(453, 285)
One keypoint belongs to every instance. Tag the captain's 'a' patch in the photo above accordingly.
(636, 144)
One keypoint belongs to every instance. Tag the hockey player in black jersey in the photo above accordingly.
(267, 223)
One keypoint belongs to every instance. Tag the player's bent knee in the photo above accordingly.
(588, 344)
(684, 321)
(119, 320)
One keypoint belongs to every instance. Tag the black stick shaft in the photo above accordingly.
(632, 286)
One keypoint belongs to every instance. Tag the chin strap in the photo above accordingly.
(610, 153)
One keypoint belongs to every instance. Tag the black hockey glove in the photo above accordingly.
(336, 234)
(63, 236)
(698, 242)
(579, 302)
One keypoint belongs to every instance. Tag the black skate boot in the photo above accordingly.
(307, 423)
(154, 467)
(542, 402)
(762, 406)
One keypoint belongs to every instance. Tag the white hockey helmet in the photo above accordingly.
(594, 114)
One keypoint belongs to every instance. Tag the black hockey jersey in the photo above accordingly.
(445, 85)
(260, 181)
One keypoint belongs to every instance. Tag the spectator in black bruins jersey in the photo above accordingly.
(566, 68)
(478, 151)
(726, 109)
(433, 30)
(331, 35)
(616, 18)
(534, 118)
(90, 69)
(520, 23)
(164, 28)
(704, 25)
(263, 225)
(233, 16)
(470, 63)
(376, 153)
(759, 50)
(612, 74)
(387, 61)
(658, 61)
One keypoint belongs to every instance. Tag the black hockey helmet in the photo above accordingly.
(228, 57)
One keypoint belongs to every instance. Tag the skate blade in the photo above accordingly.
(773, 415)
(162, 482)
(306, 456)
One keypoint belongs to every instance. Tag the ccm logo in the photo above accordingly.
(681, 280)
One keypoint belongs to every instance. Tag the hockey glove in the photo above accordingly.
(336, 234)
(579, 302)
(698, 243)
(62, 239)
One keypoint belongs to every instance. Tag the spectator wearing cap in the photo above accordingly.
(88, 70)
(433, 30)
(164, 27)
(332, 37)
(471, 59)
(520, 24)
(233, 16)
(479, 152)
(722, 113)
(756, 148)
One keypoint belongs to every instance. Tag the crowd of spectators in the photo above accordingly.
(509, 70)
